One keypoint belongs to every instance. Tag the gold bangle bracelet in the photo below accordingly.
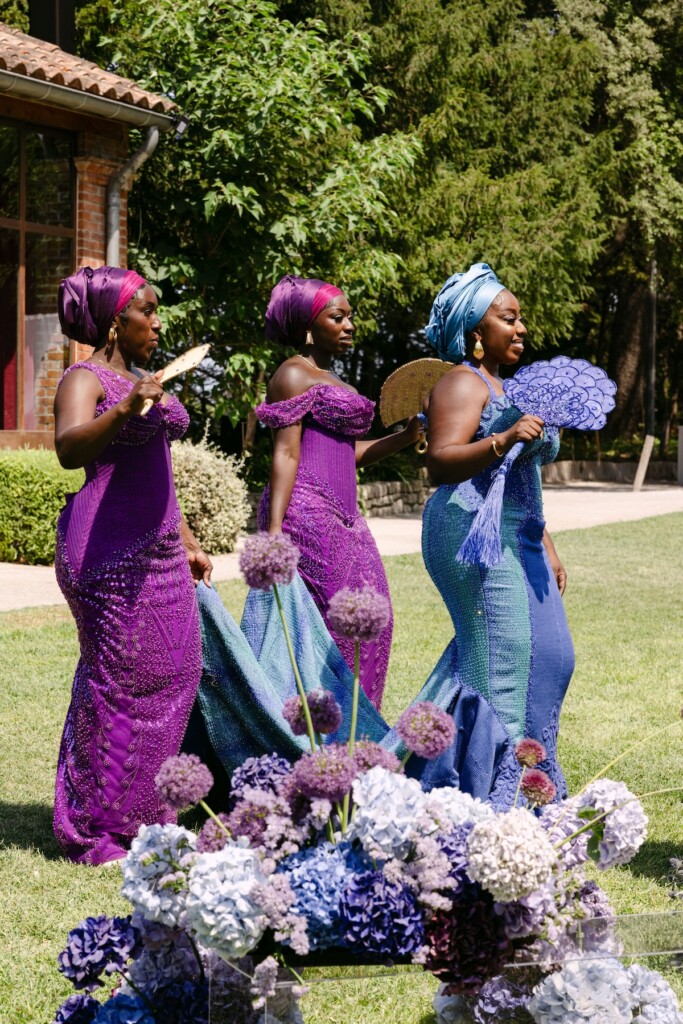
(494, 445)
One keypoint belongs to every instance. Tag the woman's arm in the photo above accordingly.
(455, 407)
(79, 437)
(368, 452)
(286, 453)
(559, 571)
(200, 563)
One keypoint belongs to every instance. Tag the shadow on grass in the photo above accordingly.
(28, 826)
(652, 860)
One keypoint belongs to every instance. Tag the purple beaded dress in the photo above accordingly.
(124, 572)
(323, 518)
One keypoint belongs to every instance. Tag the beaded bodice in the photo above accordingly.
(336, 408)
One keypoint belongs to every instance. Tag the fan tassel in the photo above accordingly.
(482, 544)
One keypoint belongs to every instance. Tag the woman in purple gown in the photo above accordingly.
(318, 421)
(125, 562)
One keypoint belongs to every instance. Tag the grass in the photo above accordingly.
(626, 615)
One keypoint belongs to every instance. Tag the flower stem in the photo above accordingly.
(617, 807)
(299, 683)
(139, 992)
(353, 726)
(519, 785)
(405, 760)
(202, 975)
(222, 826)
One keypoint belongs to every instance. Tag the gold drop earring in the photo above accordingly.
(478, 350)
(111, 340)
(309, 338)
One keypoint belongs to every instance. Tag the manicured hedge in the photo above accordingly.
(32, 492)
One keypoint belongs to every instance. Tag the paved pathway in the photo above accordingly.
(567, 507)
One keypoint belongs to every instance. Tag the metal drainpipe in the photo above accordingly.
(118, 181)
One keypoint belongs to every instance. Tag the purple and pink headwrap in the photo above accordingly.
(294, 304)
(90, 299)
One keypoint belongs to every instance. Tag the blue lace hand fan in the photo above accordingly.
(563, 392)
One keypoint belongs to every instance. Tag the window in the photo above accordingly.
(37, 238)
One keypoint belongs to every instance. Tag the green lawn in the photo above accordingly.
(626, 612)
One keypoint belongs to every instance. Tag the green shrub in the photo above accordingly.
(211, 494)
(32, 490)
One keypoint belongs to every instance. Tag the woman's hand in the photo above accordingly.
(528, 428)
(201, 566)
(148, 387)
(558, 570)
(412, 430)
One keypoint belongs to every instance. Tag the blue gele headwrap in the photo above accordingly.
(459, 307)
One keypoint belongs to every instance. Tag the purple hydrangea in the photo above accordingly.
(264, 772)
(500, 999)
(77, 1009)
(380, 917)
(183, 781)
(326, 773)
(212, 837)
(361, 615)
(597, 926)
(367, 755)
(267, 559)
(182, 1001)
(326, 714)
(537, 787)
(621, 830)
(426, 730)
(125, 1009)
(530, 752)
(96, 946)
(560, 822)
(454, 845)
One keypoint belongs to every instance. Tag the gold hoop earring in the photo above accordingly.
(478, 350)
(309, 338)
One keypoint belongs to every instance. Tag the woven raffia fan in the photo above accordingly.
(187, 361)
(405, 390)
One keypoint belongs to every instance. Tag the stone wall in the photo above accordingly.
(606, 472)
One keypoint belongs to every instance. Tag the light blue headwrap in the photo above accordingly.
(459, 307)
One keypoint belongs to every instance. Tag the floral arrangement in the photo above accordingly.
(341, 851)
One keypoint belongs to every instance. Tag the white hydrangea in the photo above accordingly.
(655, 1000)
(155, 872)
(624, 826)
(450, 807)
(584, 992)
(220, 904)
(510, 855)
(387, 806)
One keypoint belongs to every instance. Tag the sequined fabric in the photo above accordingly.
(512, 647)
(123, 570)
(323, 518)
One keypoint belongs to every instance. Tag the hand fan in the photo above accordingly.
(405, 390)
(187, 361)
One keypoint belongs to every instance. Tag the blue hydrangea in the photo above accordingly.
(220, 903)
(454, 845)
(77, 1009)
(160, 967)
(318, 876)
(499, 999)
(258, 773)
(380, 916)
(181, 1002)
(96, 946)
(655, 1000)
(125, 1009)
(386, 808)
(584, 992)
(155, 872)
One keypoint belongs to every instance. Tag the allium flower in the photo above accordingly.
(538, 787)
(268, 558)
(655, 1000)
(467, 944)
(530, 752)
(367, 755)
(386, 808)
(77, 1009)
(584, 991)
(361, 615)
(326, 714)
(326, 773)
(125, 1009)
(248, 818)
(212, 837)
(620, 834)
(510, 855)
(220, 903)
(96, 946)
(265, 772)
(183, 781)
(426, 730)
(155, 872)
(318, 876)
(380, 917)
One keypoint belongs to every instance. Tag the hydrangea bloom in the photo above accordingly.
(426, 730)
(561, 821)
(449, 807)
(265, 772)
(530, 752)
(379, 916)
(510, 855)
(183, 781)
(361, 615)
(220, 903)
(125, 1009)
(268, 558)
(77, 1009)
(263, 982)
(584, 991)
(326, 773)
(96, 946)
(596, 925)
(622, 831)
(537, 787)
(212, 837)
(530, 914)
(654, 1000)
(387, 806)
(326, 714)
(182, 1001)
(367, 755)
(155, 872)
(276, 899)
(161, 967)
(454, 845)
(499, 1000)
(318, 876)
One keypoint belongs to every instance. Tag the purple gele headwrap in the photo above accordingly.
(90, 299)
(294, 304)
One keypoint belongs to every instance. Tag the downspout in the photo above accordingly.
(118, 181)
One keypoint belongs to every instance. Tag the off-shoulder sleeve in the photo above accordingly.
(289, 411)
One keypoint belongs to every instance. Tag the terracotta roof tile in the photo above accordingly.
(25, 55)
